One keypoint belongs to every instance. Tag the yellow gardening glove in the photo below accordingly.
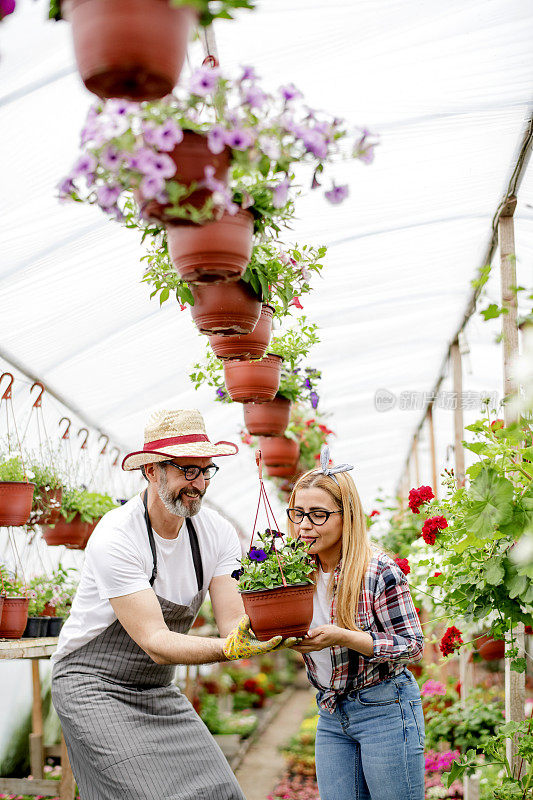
(240, 643)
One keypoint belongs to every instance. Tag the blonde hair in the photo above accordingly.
(356, 549)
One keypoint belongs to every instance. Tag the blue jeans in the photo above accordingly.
(372, 746)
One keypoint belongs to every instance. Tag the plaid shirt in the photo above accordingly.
(385, 611)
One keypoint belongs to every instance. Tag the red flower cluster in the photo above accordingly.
(436, 574)
(417, 498)
(451, 641)
(497, 425)
(375, 513)
(404, 565)
(431, 528)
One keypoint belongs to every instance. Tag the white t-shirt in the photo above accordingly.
(118, 561)
(322, 616)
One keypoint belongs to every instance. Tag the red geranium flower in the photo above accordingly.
(417, 498)
(431, 527)
(451, 641)
(375, 513)
(436, 574)
(497, 425)
(404, 565)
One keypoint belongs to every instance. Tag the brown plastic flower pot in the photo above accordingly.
(14, 617)
(132, 49)
(216, 252)
(281, 472)
(225, 308)
(253, 381)
(490, 649)
(279, 451)
(48, 610)
(74, 534)
(47, 511)
(16, 498)
(191, 156)
(267, 419)
(285, 611)
(247, 346)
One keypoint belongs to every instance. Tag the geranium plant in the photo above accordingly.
(126, 146)
(207, 9)
(260, 567)
(279, 275)
(310, 433)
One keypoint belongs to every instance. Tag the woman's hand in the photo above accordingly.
(321, 637)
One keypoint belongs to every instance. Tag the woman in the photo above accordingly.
(370, 735)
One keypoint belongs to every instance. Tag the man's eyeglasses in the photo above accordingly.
(318, 517)
(190, 472)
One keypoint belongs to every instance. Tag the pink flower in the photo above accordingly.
(430, 688)
(296, 303)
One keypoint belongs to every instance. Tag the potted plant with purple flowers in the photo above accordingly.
(218, 153)
(135, 49)
(276, 583)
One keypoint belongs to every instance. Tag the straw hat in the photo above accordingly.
(170, 434)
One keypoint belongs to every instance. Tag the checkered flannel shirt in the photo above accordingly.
(386, 611)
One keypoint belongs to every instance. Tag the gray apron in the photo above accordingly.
(130, 733)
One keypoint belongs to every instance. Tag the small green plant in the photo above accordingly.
(465, 727)
(89, 505)
(260, 567)
(13, 470)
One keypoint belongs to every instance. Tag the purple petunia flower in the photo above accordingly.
(6, 7)
(85, 165)
(257, 554)
(204, 80)
(107, 195)
(221, 393)
(254, 96)
(289, 92)
(280, 193)
(337, 194)
(307, 384)
(216, 139)
(151, 186)
(239, 139)
(121, 107)
(111, 158)
(162, 165)
(236, 574)
(315, 143)
(313, 397)
(248, 74)
(65, 187)
(164, 137)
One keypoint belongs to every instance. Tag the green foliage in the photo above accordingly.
(310, 433)
(298, 566)
(221, 723)
(89, 505)
(464, 728)
(12, 469)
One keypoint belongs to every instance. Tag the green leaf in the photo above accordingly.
(517, 585)
(494, 572)
(492, 503)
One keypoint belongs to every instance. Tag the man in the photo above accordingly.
(130, 733)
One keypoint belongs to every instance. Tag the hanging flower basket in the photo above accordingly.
(15, 502)
(191, 158)
(267, 419)
(490, 649)
(14, 617)
(218, 251)
(46, 511)
(253, 381)
(133, 49)
(74, 534)
(279, 451)
(285, 611)
(225, 308)
(247, 346)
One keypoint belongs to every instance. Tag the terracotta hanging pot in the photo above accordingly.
(14, 617)
(74, 534)
(267, 419)
(191, 156)
(253, 381)
(247, 346)
(285, 611)
(132, 49)
(490, 649)
(47, 509)
(281, 471)
(225, 308)
(218, 251)
(279, 451)
(15, 502)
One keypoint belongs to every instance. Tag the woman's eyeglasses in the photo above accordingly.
(318, 517)
(190, 473)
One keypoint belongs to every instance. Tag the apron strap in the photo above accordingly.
(150, 537)
(196, 555)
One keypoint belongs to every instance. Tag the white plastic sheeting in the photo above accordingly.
(448, 86)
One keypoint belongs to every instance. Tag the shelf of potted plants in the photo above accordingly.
(135, 48)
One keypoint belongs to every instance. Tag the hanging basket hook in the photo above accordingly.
(84, 443)
(259, 462)
(38, 403)
(65, 434)
(104, 448)
(7, 394)
(117, 451)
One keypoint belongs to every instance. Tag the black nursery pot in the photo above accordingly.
(54, 625)
(36, 628)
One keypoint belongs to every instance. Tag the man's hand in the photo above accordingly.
(240, 642)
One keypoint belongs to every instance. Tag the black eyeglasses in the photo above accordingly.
(318, 517)
(190, 472)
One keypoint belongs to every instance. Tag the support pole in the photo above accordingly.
(36, 736)
(415, 457)
(514, 681)
(433, 452)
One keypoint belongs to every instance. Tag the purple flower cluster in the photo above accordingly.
(6, 7)
(440, 761)
(257, 554)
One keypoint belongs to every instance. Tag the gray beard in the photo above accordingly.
(172, 502)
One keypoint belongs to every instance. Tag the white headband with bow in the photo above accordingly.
(329, 471)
